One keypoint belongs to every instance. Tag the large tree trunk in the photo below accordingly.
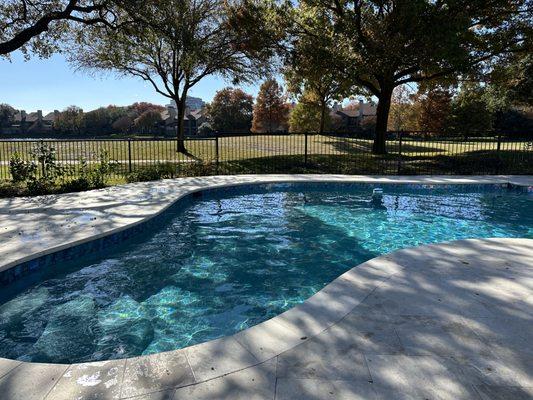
(322, 116)
(180, 128)
(382, 117)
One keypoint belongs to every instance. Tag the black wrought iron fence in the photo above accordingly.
(407, 153)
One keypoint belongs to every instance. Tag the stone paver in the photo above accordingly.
(317, 389)
(7, 365)
(255, 383)
(418, 376)
(95, 381)
(488, 392)
(156, 373)
(30, 381)
(218, 357)
(446, 321)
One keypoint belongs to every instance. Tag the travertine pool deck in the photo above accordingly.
(446, 321)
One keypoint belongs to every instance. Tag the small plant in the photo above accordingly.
(105, 167)
(21, 170)
(94, 178)
(48, 167)
(197, 168)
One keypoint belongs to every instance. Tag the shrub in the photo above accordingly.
(40, 186)
(153, 173)
(98, 176)
(41, 175)
(76, 185)
(21, 170)
(94, 178)
(197, 168)
(45, 156)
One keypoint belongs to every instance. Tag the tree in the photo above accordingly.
(69, 120)
(123, 124)
(388, 43)
(148, 120)
(7, 114)
(97, 121)
(433, 109)
(402, 115)
(270, 110)
(307, 68)
(470, 112)
(143, 106)
(177, 44)
(512, 82)
(307, 116)
(231, 110)
(38, 25)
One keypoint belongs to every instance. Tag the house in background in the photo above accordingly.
(353, 119)
(192, 121)
(33, 122)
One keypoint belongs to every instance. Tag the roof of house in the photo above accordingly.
(17, 117)
(197, 113)
(51, 116)
(32, 117)
(368, 110)
(193, 114)
(349, 113)
(165, 114)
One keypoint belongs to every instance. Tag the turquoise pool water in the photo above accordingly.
(222, 263)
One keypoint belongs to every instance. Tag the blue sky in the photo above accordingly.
(51, 84)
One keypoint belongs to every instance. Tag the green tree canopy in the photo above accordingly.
(511, 84)
(470, 113)
(307, 115)
(70, 120)
(231, 110)
(148, 120)
(308, 69)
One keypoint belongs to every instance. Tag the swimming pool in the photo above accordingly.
(227, 260)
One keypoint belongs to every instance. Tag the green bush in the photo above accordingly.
(105, 167)
(40, 186)
(153, 173)
(76, 185)
(21, 170)
(42, 174)
(49, 169)
(197, 168)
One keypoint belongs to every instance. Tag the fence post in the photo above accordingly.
(498, 147)
(129, 155)
(216, 151)
(400, 153)
(305, 149)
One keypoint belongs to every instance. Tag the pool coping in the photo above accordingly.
(267, 340)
